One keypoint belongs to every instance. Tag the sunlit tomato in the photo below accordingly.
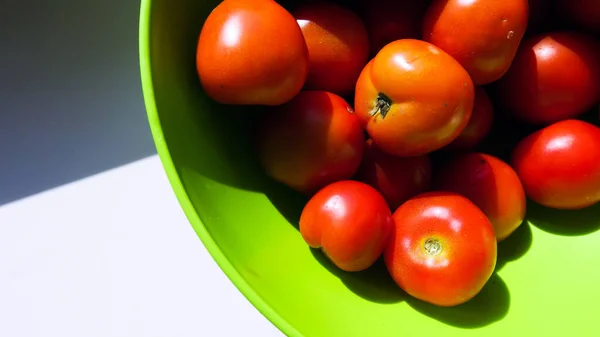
(413, 98)
(479, 125)
(251, 52)
(489, 183)
(442, 249)
(350, 221)
(555, 76)
(338, 45)
(388, 21)
(311, 141)
(482, 35)
(396, 178)
(585, 13)
(559, 165)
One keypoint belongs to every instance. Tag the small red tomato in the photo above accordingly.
(396, 178)
(338, 46)
(559, 165)
(311, 141)
(350, 221)
(489, 183)
(442, 249)
(585, 13)
(555, 76)
(251, 53)
(482, 35)
(479, 125)
(413, 98)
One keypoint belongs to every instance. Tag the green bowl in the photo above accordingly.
(548, 275)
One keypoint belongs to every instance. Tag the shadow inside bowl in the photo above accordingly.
(564, 222)
(515, 246)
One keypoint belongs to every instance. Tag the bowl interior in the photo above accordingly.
(546, 280)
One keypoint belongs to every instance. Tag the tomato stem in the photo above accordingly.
(382, 105)
(433, 247)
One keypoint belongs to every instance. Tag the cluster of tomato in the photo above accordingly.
(426, 78)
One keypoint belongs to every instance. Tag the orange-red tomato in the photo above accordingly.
(413, 98)
(442, 249)
(489, 183)
(338, 46)
(585, 13)
(350, 221)
(555, 76)
(251, 52)
(559, 165)
(479, 125)
(311, 141)
(482, 35)
(396, 178)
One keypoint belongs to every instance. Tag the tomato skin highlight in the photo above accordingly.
(442, 249)
(482, 35)
(559, 165)
(491, 184)
(480, 123)
(251, 53)
(413, 98)
(555, 76)
(350, 221)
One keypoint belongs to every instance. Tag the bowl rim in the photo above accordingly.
(145, 20)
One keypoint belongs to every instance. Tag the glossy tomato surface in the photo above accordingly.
(338, 45)
(350, 221)
(251, 52)
(413, 98)
(442, 249)
(311, 141)
(559, 165)
(555, 76)
(479, 125)
(482, 35)
(491, 184)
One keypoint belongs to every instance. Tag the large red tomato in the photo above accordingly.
(413, 98)
(482, 35)
(311, 141)
(350, 221)
(479, 125)
(489, 183)
(251, 52)
(555, 76)
(559, 165)
(442, 249)
(338, 46)
(586, 13)
(396, 178)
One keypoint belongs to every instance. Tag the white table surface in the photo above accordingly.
(92, 240)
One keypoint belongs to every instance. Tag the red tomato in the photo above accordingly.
(402, 20)
(479, 125)
(311, 141)
(482, 35)
(555, 76)
(338, 46)
(396, 178)
(442, 249)
(350, 221)
(251, 52)
(489, 183)
(585, 13)
(559, 165)
(413, 98)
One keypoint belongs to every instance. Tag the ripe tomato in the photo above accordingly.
(442, 249)
(396, 178)
(251, 52)
(559, 165)
(388, 21)
(350, 221)
(338, 46)
(489, 183)
(413, 98)
(482, 35)
(585, 13)
(479, 124)
(555, 76)
(311, 141)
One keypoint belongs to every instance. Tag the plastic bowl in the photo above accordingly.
(548, 272)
